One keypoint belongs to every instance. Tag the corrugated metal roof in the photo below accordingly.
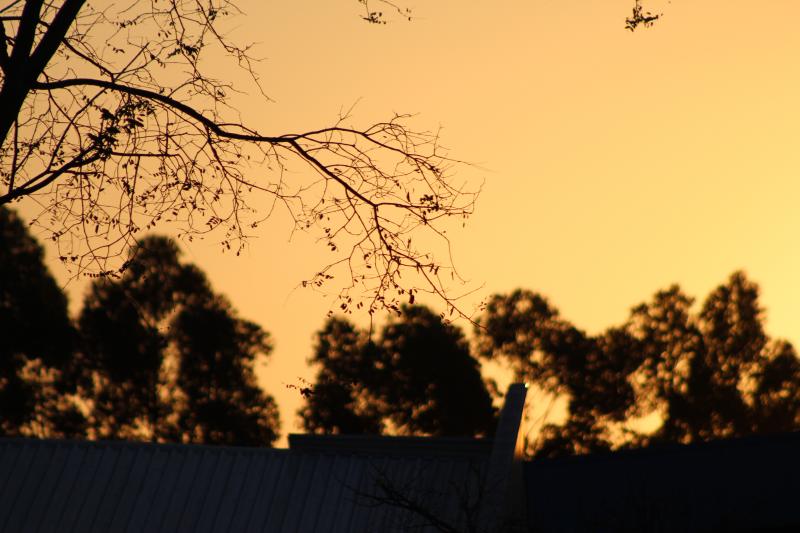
(323, 484)
(59, 486)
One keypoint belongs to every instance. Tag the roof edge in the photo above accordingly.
(384, 445)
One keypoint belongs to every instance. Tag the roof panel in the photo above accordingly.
(142, 456)
(45, 492)
(260, 467)
(374, 511)
(347, 501)
(234, 489)
(259, 512)
(458, 486)
(114, 490)
(8, 460)
(299, 503)
(319, 491)
(380, 516)
(207, 466)
(14, 481)
(159, 508)
(432, 494)
(140, 510)
(330, 505)
(84, 484)
(413, 485)
(369, 500)
(97, 489)
(23, 500)
(67, 480)
(214, 493)
(403, 477)
(184, 484)
(278, 504)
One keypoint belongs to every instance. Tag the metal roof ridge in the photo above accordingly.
(391, 445)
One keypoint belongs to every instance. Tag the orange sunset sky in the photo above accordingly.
(613, 163)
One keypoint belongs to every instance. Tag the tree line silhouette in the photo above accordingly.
(156, 354)
(713, 373)
(705, 374)
(416, 377)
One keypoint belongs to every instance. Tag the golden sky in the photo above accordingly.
(614, 164)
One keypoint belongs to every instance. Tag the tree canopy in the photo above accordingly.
(710, 373)
(156, 353)
(114, 120)
(37, 339)
(417, 377)
(167, 359)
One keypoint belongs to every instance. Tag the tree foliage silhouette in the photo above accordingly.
(340, 400)
(709, 374)
(114, 121)
(417, 377)
(37, 339)
(222, 402)
(166, 359)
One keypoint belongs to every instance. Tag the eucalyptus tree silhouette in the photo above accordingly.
(707, 374)
(165, 358)
(36, 340)
(416, 377)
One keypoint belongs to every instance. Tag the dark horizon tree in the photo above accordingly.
(708, 374)
(36, 340)
(221, 401)
(340, 401)
(166, 359)
(416, 377)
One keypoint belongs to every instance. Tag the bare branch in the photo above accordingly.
(118, 128)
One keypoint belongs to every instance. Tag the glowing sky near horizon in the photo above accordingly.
(613, 163)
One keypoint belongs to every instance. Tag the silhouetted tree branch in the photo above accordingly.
(111, 122)
(456, 506)
(640, 17)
